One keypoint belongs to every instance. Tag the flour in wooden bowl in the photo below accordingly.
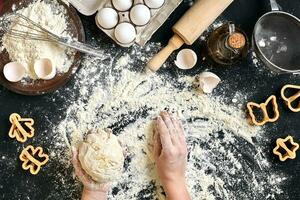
(51, 16)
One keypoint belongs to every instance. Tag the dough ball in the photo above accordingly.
(101, 156)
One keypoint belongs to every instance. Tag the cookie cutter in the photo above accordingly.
(21, 128)
(30, 163)
(290, 100)
(290, 152)
(263, 107)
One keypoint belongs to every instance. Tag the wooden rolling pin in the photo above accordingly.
(193, 23)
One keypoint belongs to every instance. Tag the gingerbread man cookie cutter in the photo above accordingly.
(291, 99)
(290, 153)
(30, 162)
(21, 128)
(263, 107)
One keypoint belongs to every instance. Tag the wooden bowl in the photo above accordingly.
(39, 87)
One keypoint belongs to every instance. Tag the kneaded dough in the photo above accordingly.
(101, 156)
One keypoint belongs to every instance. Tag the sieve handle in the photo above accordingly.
(274, 5)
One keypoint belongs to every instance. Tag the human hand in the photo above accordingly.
(91, 189)
(170, 152)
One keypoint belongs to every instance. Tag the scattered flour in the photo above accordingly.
(273, 38)
(123, 61)
(51, 16)
(224, 161)
(14, 7)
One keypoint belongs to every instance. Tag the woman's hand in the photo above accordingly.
(91, 189)
(170, 152)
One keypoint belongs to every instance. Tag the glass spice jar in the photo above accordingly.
(227, 44)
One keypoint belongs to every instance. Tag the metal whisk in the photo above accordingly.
(18, 26)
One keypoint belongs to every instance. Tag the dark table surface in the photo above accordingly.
(242, 76)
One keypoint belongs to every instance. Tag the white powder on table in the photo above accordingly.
(51, 16)
(224, 162)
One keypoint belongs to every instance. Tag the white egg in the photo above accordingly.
(125, 33)
(14, 71)
(207, 81)
(107, 18)
(154, 3)
(186, 59)
(44, 69)
(140, 15)
(122, 5)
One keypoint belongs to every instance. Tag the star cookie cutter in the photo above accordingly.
(290, 100)
(263, 107)
(30, 162)
(21, 128)
(290, 152)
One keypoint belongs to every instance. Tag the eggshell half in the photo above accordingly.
(44, 69)
(14, 71)
(208, 81)
(186, 59)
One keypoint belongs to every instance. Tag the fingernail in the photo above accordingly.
(175, 118)
(73, 149)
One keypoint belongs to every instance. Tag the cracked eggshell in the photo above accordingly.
(186, 59)
(107, 18)
(140, 14)
(14, 71)
(207, 81)
(122, 5)
(44, 69)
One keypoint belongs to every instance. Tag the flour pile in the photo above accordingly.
(224, 161)
(51, 16)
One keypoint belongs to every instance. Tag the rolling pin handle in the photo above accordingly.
(158, 60)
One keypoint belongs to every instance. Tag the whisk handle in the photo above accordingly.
(84, 48)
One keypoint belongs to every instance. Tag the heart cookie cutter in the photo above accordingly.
(291, 99)
(263, 107)
(290, 152)
(31, 163)
(19, 126)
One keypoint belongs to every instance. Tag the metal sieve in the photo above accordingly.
(276, 40)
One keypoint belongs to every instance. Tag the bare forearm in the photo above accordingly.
(176, 190)
(93, 195)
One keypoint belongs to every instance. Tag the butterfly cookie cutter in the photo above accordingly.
(21, 128)
(263, 107)
(291, 99)
(30, 161)
(290, 153)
